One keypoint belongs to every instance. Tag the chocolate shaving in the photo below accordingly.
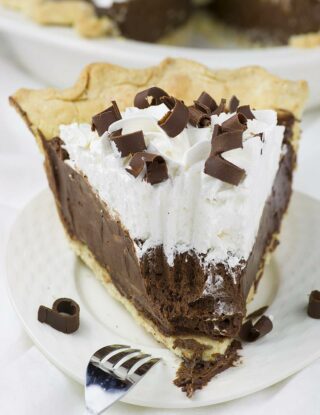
(198, 118)
(246, 111)
(237, 122)
(226, 137)
(314, 305)
(141, 99)
(233, 104)
(257, 313)
(102, 121)
(64, 315)
(226, 142)
(251, 333)
(221, 108)
(206, 103)
(155, 167)
(221, 169)
(129, 143)
(174, 121)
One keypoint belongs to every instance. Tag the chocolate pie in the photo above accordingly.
(171, 183)
(150, 20)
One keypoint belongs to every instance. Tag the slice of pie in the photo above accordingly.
(171, 183)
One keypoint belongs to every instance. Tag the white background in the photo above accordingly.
(29, 384)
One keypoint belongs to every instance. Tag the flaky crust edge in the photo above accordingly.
(99, 83)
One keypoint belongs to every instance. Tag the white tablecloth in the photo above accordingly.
(29, 384)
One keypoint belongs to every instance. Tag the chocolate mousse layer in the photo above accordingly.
(185, 298)
(278, 18)
(147, 20)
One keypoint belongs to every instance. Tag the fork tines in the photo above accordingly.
(111, 372)
(123, 362)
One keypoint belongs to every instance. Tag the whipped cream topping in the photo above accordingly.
(191, 210)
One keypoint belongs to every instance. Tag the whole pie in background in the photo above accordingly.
(260, 21)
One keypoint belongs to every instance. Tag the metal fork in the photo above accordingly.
(111, 372)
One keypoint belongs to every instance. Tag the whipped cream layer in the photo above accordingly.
(191, 210)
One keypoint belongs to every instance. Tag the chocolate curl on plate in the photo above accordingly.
(64, 315)
(233, 104)
(251, 333)
(141, 99)
(129, 143)
(246, 111)
(102, 121)
(314, 305)
(155, 167)
(175, 120)
(257, 313)
(198, 118)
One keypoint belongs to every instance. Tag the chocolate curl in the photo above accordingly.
(64, 315)
(221, 108)
(155, 167)
(141, 99)
(216, 166)
(236, 122)
(176, 120)
(314, 305)
(227, 141)
(221, 169)
(257, 313)
(129, 143)
(102, 121)
(246, 111)
(251, 333)
(206, 103)
(198, 118)
(226, 137)
(233, 104)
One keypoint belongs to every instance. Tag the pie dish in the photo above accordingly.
(182, 242)
(281, 21)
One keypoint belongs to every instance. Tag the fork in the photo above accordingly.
(111, 373)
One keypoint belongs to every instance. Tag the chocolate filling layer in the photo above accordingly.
(147, 20)
(174, 298)
(280, 19)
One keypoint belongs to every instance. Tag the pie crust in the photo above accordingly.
(100, 83)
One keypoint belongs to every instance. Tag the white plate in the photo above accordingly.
(42, 268)
(44, 51)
